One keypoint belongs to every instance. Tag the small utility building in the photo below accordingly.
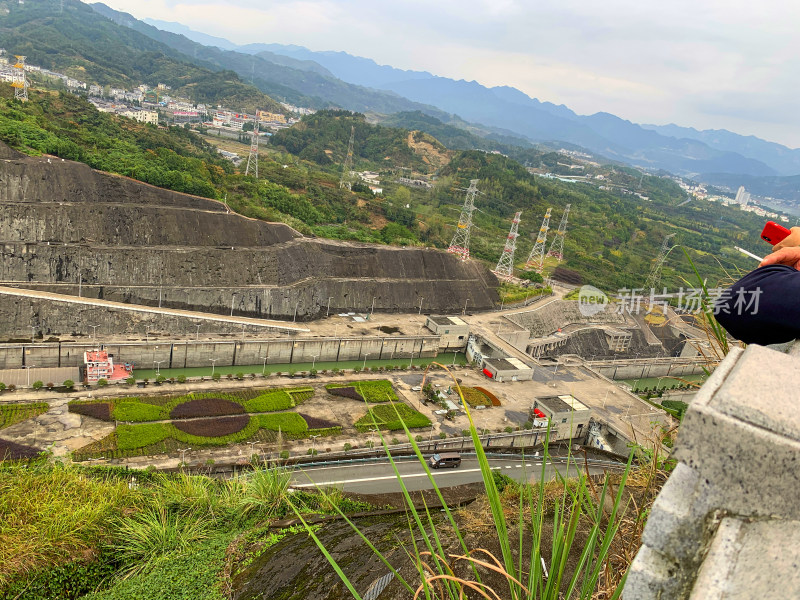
(453, 332)
(569, 417)
(507, 369)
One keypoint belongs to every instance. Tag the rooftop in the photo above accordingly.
(445, 320)
(565, 403)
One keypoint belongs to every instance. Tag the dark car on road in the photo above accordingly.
(445, 459)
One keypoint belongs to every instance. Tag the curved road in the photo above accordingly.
(379, 478)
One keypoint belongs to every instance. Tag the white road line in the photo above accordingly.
(385, 477)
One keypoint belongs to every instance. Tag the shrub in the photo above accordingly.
(508, 429)
(312, 452)
(284, 454)
(216, 376)
(96, 410)
(2, 386)
(418, 438)
(181, 378)
(213, 427)
(269, 401)
(11, 387)
(442, 435)
(348, 446)
(290, 424)
(475, 397)
(102, 382)
(161, 379)
(50, 385)
(69, 384)
(133, 410)
(395, 441)
(345, 392)
(130, 381)
(313, 372)
(240, 376)
(388, 416)
(37, 385)
(130, 437)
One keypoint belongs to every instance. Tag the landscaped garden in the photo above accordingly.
(475, 397)
(11, 414)
(212, 404)
(164, 424)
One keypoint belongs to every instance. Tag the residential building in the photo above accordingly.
(569, 418)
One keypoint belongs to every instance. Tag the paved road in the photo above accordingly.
(379, 478)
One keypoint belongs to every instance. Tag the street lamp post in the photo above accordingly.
(313, 443)
(328, 312)
(94, 333)
(157, 363)
(364, 366)
(264, 358)
(33, 332)
(372, 309)
(233, 297)
(183, 455)
(314, 361)
(213, 364)
(464, 312)
(28, 374)
(294, 318)
(420, 305)
(197, 334)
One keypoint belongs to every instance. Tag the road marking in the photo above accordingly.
(385, 477)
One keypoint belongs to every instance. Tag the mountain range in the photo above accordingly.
(208, 68)
(678, 149)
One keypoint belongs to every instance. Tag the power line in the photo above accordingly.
(536, 257)
(505, 266)
(252, 158)
(347, 166)
(557, 245)
(460, 243)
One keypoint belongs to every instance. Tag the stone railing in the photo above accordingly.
(727, 522)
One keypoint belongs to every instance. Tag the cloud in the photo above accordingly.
(715, 63)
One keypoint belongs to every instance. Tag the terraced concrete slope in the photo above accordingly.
(67, 228)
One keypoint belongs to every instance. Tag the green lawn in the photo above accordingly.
(445, 358)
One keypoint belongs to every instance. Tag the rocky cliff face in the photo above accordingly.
(65, 226)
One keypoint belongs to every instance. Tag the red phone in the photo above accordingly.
(774, 233)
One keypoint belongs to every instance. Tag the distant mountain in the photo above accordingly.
(293, 80)
(83, 44)
(200, 38)
(357, 83)
(785, 160)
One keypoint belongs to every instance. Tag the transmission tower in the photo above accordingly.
(344, 182)
(20, 83)
(536, 257)
(557, 245)
(505, 266)
(252, 158)
(460, 244)
(654, 278)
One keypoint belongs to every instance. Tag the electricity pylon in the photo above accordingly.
(557, 245)
(20, 83)
(505, 266)
(344, 181)
(654, 278)
(536, 257)
(460, 244)
(252, 158)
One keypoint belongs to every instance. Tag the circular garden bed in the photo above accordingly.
(214, 426)
(206, 407)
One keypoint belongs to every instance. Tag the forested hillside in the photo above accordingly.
(611, 240)
(83, 44)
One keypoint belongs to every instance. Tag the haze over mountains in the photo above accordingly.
(678, 149)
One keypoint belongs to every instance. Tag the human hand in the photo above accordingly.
(791, 240)
(784, 256)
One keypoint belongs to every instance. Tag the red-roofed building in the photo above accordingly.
(99, 365)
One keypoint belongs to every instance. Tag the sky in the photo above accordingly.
(708, 64)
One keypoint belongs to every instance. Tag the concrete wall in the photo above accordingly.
(641, 370)
(199, 354)
(737, 452)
